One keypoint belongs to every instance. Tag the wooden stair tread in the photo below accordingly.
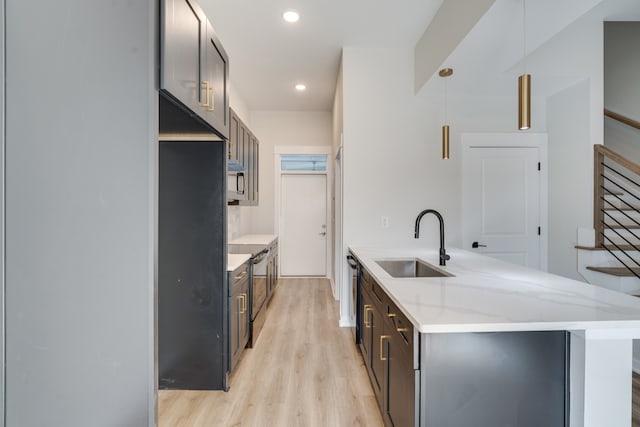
(606, 247)
(613, 193)
(620, 227)
(615, 271)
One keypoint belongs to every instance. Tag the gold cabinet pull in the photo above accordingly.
(367, 307)
(402, 329)
(391, 315)
(212, 107)
(241, 275)
(205, 83)
(243, 303)
(382, 338)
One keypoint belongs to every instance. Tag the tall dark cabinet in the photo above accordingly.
(192, 277)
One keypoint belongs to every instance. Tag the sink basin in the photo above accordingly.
(411, 268)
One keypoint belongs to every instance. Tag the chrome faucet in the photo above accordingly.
(443, 254)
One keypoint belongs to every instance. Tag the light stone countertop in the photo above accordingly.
(488, 295)
(236, 260)
(254, 239)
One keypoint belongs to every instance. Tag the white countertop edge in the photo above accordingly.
(596, 330)
(236, 260)
(254, 239)
(504, 273)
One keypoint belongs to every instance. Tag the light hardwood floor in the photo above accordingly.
(303, 371)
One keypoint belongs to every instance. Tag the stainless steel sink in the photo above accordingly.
(411, 268)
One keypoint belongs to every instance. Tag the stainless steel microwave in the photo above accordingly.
(235, 183)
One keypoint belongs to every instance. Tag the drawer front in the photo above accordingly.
(403, 328)
(239, 276)
(379, 297)
(366, 280)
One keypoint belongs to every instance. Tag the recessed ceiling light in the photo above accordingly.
(300, 87)
(291, 16)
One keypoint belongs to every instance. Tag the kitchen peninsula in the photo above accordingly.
(495, 343)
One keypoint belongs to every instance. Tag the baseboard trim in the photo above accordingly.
(346, 323)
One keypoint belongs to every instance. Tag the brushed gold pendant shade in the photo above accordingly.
(524, 101)
(524, 81)
(445, 142)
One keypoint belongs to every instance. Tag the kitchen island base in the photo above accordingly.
(495, 379)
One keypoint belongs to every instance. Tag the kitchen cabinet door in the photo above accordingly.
(244, 318)
(181, 39)
(399, 379)
(234, 129)
(215, 84)
(379, 342)
(238, 313)
(367, 330)
(194, 70)
(256, 172)
(235, 305)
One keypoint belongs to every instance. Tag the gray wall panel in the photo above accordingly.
(80, 200)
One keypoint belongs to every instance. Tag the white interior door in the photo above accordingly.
(501, 203)
(303, 225)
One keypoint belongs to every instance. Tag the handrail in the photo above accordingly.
(619, 176)
(622, 119)
(621, 160)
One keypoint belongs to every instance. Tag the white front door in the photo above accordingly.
(501, 203)
(303, 225)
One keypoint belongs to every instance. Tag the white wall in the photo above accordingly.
(574, 125)
(622, 68)
(282, 128)
(570, 176)
(621, 88)
(81, 191)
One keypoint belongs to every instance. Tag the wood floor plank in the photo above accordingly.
(304, 371)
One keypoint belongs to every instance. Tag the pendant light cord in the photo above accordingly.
(524, 35)
(445, 100)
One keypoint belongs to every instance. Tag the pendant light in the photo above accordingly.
(445, 72)
(524, 81)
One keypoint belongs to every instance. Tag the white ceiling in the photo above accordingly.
(268, 57)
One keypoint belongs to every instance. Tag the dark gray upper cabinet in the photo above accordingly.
(244, 148)
(194, 66)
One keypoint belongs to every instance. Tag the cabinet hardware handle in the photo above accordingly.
(241, 275)
(243, 303)
(212, 108)
(206, 93)
(402, 329)
(391, 315)
(367, 307)
(382, 338)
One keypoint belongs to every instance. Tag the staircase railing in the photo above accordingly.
(616, 216)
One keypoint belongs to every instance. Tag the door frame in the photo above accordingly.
(278, 152)
(512, 140)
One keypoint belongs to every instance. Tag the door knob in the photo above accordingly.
(324, 233)
(476, 245)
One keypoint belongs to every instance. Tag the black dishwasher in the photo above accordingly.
(354, 303)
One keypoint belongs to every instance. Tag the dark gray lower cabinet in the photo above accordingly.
(387, 348)
(461, 379)
(400, 378)
(239, 280)
(192, 266)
